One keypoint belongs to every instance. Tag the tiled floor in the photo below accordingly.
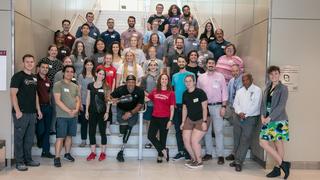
(146, 169)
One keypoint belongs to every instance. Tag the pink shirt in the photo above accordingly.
(214, 85)
(225, 63)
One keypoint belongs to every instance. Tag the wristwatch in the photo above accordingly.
(205, 121)
(224, 106)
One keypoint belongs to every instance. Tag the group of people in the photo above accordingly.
(190, 83)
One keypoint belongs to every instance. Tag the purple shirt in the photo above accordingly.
(214, 85)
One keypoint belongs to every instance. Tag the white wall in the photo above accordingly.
(295, 41)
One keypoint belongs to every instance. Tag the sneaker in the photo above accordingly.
(230, 157)
(274, 173)
(21, 167)
(285, 166)
(238, 167)
(91, 156)
(178, 156)
(83, 144)
(195, 165)
(68, 157)
(102, 156)
(32, 163)
(189, 162)
(57, 162)
(47, 155)
(120, 156)
(207, 157)
(220, 160)
(148, 146)
(187, 156)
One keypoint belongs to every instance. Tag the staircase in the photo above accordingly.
(114, 142)
(121, 19)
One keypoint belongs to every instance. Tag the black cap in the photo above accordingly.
(131, 77)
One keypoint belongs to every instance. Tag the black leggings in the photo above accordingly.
(94, 119)
(158, 124)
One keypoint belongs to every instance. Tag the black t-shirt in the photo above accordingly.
(193, 102)
(63, 51)
(173, 61)
(210, 39)
(97, 99)
(137, 97)
(161, 19)
(195, 70)
(27, 91)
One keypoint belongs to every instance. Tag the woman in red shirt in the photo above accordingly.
(111, 74)
(164, 101)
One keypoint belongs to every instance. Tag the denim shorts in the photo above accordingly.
(148, 114)
(131, 121)
(66, 127)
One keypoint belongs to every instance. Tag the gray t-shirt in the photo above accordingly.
(77, 63)
(98, 58)
(148, 83)
(68, 94)
(83, 83)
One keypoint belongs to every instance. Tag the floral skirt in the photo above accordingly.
(275, 131)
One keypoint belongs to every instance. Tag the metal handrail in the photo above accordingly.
(79, 16)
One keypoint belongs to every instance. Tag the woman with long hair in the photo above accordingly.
(164, 101)
(275, 126)
(129, 67)
(148, 83)
(111, 74)
(99, 51)
(204, 53)
(154, 42)
(140, 56)
(86, 77)
(195, 121)
(208, 32)
(97, 112)
(116, 54)
(78, 56)
(174, 14)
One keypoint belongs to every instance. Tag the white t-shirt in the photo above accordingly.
(120, 71)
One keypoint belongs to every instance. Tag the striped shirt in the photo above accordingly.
(225, 63)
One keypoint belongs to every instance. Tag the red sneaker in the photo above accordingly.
(102, 156)
(91, 156)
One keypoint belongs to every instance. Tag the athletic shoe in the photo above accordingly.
(91, 156)
(178, 156)
(57, 162)
(102, 156)
(68, 157)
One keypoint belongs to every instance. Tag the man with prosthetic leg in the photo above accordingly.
(130, 100)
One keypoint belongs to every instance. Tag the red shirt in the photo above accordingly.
(43, 89)
(69, 40)
(111, 73)
(161, 102)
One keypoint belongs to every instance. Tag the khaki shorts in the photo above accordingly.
(190, 125)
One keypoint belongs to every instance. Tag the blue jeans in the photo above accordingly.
(43, 127)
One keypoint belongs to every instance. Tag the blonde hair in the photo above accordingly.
(125, 65)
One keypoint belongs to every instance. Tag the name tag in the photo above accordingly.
(206, 55)
(73, 79)
(211, 38)
(81, 60)
(100, 60)
(215, 84)
(50, 66)
(183, 22)
(100, 90)
(47, 85)
(195, 100)
(110, 73)
(63, 51)
(230, 62)
(34, 79)
(113, 36)
(223, 47)
(69, 37)
(135, 34)
(175, 61)
(95, 34)
(195, 44)
(66, 90)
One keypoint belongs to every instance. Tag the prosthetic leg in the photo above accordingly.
(126, 131)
